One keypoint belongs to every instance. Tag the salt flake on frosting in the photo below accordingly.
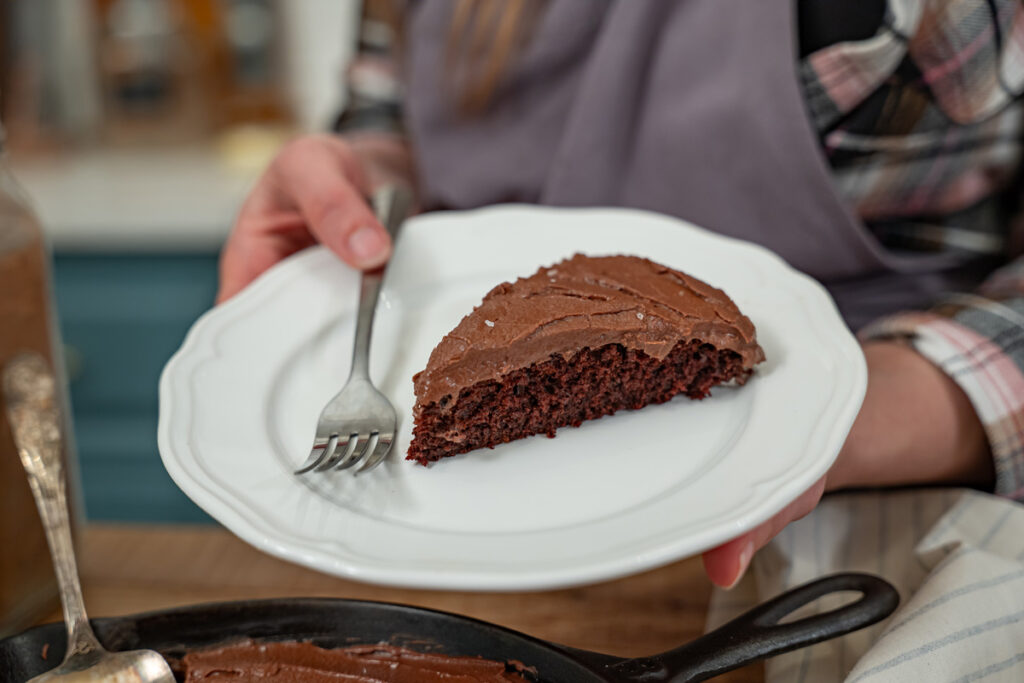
(488, 323)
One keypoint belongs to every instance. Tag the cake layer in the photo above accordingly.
(564, 391)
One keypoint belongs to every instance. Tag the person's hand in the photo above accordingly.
(313, 191)
(916, 426)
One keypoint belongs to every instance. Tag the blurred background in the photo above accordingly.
(136, 128)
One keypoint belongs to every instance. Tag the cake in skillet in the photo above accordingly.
(575, 341)
(294, 662)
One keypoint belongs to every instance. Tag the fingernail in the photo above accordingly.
(746, 555)
(368, 246)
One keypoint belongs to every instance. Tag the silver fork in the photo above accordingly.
(358, 424)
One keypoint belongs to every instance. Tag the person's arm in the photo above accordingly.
(944, 405)
(977, 341)
(916, 426)
(316, 188)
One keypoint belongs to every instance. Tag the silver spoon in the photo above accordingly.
(34, 416)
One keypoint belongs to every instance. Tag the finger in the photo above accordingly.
(249, 253)
(726, 564)
(323, 181)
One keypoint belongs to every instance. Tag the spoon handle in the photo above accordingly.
(29, 390)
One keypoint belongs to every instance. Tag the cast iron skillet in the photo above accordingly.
(334, 623)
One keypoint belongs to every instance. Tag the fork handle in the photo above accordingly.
(391, 203)
(29, 392)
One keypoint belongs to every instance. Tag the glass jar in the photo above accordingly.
(28, 590)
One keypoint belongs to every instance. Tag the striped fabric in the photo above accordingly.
(957, 559)
(923, 126)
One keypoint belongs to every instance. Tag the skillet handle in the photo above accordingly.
(757, 634)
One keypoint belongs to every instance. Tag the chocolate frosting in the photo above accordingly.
(583, 302)
(297, 662)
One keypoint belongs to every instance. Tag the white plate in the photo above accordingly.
(239, 401)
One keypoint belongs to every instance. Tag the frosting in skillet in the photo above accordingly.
(298, 662)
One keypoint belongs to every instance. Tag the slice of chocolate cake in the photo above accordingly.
(576, 341)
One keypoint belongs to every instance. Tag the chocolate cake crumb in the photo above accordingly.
(577, 341)
(559, 393)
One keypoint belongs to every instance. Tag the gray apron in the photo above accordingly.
(690, 108)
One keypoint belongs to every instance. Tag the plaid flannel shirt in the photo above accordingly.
(923, 126)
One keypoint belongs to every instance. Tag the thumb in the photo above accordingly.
(726, 564)
(320, 183)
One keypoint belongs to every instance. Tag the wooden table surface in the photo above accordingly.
(137, 568)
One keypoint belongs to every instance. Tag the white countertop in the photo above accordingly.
(136, 200)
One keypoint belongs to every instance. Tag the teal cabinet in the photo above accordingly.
(122, 317)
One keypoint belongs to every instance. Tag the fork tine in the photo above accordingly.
(380, 452)
(362, 446)
(314, 458)
(337, 454)
(317, 454)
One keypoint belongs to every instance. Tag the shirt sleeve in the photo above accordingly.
(978, 340)
(372, 81)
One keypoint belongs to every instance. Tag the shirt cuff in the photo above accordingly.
(987, 373)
